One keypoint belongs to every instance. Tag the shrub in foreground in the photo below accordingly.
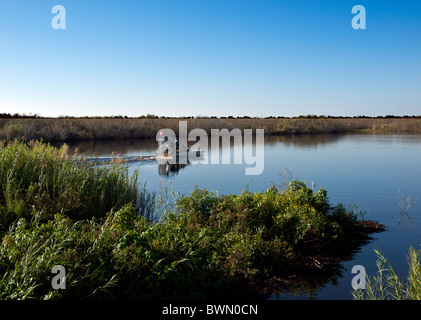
(204, 248)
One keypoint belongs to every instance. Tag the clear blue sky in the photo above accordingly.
(210, 57)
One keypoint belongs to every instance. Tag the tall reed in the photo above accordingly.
(387, 285)
(77, 129)
(38, 181)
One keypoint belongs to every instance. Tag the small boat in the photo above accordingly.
(170, 151)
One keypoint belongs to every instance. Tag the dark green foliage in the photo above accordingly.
(57, 211)
(38, 181)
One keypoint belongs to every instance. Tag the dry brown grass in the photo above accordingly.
(68, 129)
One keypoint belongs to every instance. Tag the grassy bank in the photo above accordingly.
(39, 181)
(67, 129)
(56, 211)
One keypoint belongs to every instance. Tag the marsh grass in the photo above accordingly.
(205, 247)
(387, 285)
(38, 181)
(77, 129)
(405, 207)
(96, 222)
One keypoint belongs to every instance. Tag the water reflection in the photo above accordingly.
(100, 148)
(149, 146)
(304, 140)
(169, 169)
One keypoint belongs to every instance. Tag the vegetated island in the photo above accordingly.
(98, 224)
(34, 127)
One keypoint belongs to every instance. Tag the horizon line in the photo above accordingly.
(152, 116)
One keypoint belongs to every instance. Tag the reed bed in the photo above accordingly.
(71, 129)
(37, 181)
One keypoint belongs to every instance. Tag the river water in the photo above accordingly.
(372, 171)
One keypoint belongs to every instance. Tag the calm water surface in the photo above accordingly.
(369, 170)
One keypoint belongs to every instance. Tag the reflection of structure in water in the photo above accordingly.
(171, 160)
(171, 169)
(172, 156)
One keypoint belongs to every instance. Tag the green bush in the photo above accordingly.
(253, 229)
(55, 210)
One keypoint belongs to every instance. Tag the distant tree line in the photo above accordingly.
(151, 116)
(18, 116)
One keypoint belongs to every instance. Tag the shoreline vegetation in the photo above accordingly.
(92, 221)
(386, 284)
(63, 129)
